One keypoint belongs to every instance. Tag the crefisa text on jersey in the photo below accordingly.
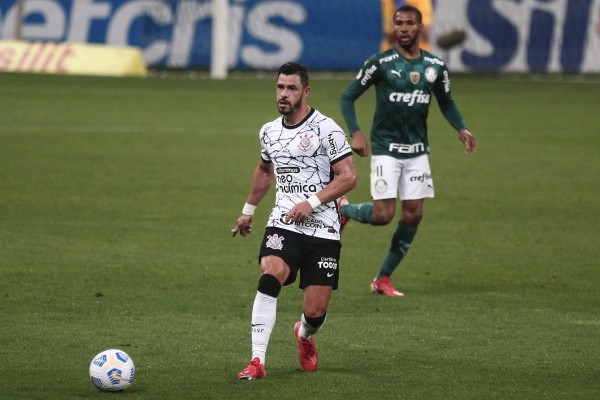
(416, 96)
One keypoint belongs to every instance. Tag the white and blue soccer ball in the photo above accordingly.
(112, 370)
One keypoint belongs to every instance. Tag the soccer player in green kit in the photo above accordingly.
(405, 77)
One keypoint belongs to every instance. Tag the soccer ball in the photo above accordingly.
(112, 370)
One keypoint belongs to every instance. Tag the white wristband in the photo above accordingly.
(248, 209)
(314, 201)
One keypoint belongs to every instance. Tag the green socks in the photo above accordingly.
(358, 212)
(401, 241)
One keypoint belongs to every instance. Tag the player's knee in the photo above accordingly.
(381, 217)
(412, 219)
(269, 285)
(274, 266)
(315, 311)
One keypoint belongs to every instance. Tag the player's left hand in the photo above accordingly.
(468, 140)
(300, 212)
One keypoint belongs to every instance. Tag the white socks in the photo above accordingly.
(264, 313)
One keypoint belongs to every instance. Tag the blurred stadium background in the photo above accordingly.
(335, 35)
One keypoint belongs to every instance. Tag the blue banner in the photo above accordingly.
(509, 35)
(177, 34)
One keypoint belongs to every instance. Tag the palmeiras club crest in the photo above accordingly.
(431, 74)
(275, 242)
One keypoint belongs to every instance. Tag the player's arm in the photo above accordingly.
(262, 179)
(360, 85)
(450, 110)
(345, 180)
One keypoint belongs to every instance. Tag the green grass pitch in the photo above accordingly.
(116, 201)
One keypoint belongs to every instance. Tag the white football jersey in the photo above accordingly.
(302, 156)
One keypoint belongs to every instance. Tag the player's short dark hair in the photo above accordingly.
(411, 9)
(293, 68)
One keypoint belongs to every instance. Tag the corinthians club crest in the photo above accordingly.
(305, 144)
(275, 242)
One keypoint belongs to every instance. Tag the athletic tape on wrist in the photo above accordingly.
(248, 209)
(314, 201)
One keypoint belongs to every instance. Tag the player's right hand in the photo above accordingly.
(359, 144)
(243, 225)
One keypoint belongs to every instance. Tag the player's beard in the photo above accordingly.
(407, 45)
(292, 107)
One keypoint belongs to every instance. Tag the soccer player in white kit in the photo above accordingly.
(310, 160)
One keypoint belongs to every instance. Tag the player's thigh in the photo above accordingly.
(280, 254)
(321, 265)
(385, 175)
(276, 266)
(416, 181)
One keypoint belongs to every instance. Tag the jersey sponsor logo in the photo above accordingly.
(368, 74)
(333, 150)
(328, 263)
(288, 187)
(446, 82)
(310, 223)
(406, 148)
(286, 184)
(433, 60)
(430, 74)
(388, 58)
(288, 170)
(415, 77)
(394, 72)
(421, 178)
(416, 96)
(275, 242)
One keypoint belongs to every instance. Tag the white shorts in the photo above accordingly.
(410, 178)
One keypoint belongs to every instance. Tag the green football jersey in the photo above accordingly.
(404, 91)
